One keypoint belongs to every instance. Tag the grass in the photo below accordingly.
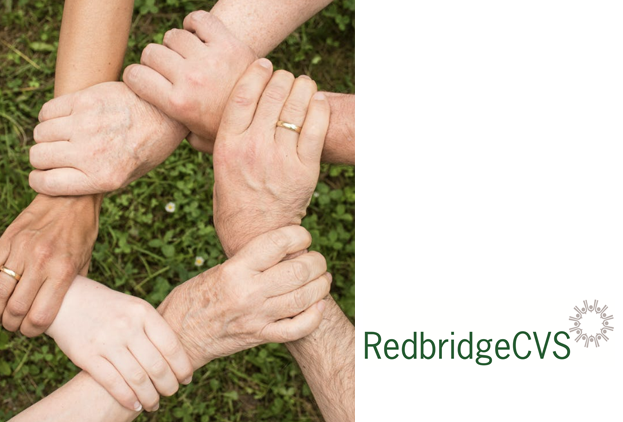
(145, 251)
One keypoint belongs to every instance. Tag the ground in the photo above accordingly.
(144, 250)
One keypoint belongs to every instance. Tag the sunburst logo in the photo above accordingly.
(591, 323)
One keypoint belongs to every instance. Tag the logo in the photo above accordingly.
(591, 323)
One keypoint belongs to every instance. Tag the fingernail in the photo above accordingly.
(157, 407)
(265, 63)
(304, 77)
(187, 380)
(321, 305)
(329, 277)
(138, 407)
(319, 96)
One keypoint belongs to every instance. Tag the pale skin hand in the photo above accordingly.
(79, 132)
(264, 173)
(188, 75)
(122, 342)
(249, 300)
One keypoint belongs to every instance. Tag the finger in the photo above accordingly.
(289, 275)
(51, 155)
(61, 181)
(294, 111)
(165, 340)
(273, 99)
(270, 248)
(58, 107)
(51, 130)
(295, 302)
(150, 85)
(185, 43)
(314, 132)
(109, 377)
(163, 60)
(200, 144)
(8, 283)
(155, 366)
(205, 25)
(136, 377)
(47, 304)
(21, 300)
(243, 100)
(291, 329)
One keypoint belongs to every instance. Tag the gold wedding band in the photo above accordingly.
(10, 272)
(290, 126)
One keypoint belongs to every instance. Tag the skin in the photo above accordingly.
(52, 239)
(123, 342)
(189, 79)
(327, 356)
(249, 300)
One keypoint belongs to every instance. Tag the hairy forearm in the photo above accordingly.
(339, 145)
(327, 359)
(263, 24)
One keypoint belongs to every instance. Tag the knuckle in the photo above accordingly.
(300, 272)
(159, 368)
(242, 96)
(40, 318)
(295, 107)
(276, 94)
(66, 270)
(179, 102)
(300, 298)
(139, 377)
(279, 239)
(195, 77)
(43, 251)
(17, 308)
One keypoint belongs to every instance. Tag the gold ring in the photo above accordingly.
(10, 272)
(290, 126)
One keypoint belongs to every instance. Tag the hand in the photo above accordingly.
(190, 77)
(48, 244)
(122, 342)
(98, 140)
(265, 175)
(251, 299)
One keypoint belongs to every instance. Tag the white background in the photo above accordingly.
(490, 199)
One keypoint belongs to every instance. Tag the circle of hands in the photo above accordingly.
(204, 85)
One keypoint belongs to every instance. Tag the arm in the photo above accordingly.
(188, 79)
(264, 178)
(191, 91)
(51, 241)
(227, 309)
(263, 24)
(327, 359)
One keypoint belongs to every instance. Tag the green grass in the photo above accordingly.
(144, 251)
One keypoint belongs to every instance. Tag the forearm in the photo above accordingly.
(327, 359)
(81, 399)
(263, 24)
(93, 39)
(339, 145)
